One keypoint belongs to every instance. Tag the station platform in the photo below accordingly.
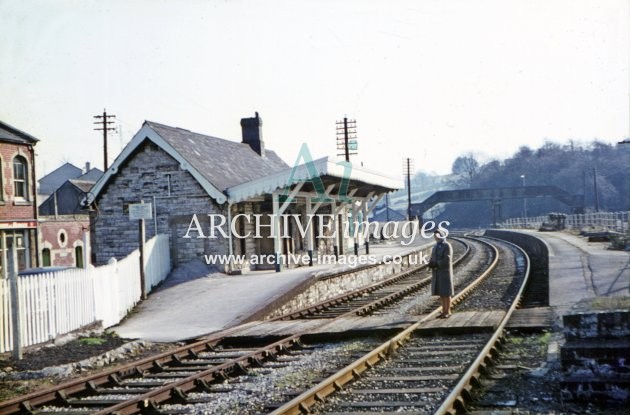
(580, 270)
(193, 302)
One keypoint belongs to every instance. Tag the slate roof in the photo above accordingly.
(50, 182)
(12, 134)
(69, 196)
(83, 185)
(91, 176)
(222, 162)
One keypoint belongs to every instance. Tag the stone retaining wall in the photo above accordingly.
(595, 355)
(328, 285)
(537, 290)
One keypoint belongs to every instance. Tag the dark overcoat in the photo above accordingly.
(442, 280)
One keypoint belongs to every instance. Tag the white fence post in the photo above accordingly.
(59, 302)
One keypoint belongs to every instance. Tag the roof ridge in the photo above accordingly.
(81, 181)
(157, 124)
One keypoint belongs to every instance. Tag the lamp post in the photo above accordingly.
(524, 201)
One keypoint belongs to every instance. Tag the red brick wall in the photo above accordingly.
(21, 210)
(74, 227)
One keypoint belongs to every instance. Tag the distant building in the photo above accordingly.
(18, 207)
(65, 225)
(182, 173)
(56, 178)
(51, 182)
(65, 240)
(66, 200)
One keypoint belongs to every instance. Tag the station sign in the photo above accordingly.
(140, 211)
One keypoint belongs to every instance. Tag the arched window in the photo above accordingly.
(20, 178)
(78, 256)
(46, 257)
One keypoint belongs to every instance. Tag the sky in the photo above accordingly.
(429, 80)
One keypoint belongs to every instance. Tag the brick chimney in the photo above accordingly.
(87, 166)
(252, 134)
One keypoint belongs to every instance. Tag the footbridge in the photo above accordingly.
(496, 195)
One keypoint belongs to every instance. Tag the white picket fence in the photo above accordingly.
(612, 221)
(57, 303)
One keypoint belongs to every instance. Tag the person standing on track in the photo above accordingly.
(442, 265)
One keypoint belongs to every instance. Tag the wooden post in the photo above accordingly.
(143, 289)
(367, 234)
(4, 259)
(141, 211)
(355, 214)
(276, 230)
(309, 232)
(15, 303)
(86, 247)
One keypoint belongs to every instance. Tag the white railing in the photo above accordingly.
(157, 263)
(611, 221)
(59, 302)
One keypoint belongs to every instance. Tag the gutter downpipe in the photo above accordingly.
(230, 250)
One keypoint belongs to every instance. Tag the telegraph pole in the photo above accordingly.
(407, 170)
(347, 144)
(103, 121)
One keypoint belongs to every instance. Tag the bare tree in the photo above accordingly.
(466, 168)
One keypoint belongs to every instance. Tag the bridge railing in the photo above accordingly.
(610, 221)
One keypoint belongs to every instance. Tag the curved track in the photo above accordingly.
(416, 374)
(168, 377)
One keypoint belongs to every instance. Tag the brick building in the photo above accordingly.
(64, 240)
(18, 207)
(65, 226)
(58, 177)
(182, 173)
(63, 223)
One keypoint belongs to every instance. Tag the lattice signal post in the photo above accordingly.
(408, 170)
(347, 143)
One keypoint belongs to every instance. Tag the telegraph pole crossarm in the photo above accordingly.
(347, 138)
(104, 122)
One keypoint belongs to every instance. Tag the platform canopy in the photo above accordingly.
(324, 176)
(312, 184)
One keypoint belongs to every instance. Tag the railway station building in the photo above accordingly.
(216, 197)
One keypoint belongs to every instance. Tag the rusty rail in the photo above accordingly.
(302, 403)
(174, 390)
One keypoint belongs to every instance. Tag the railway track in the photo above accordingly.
(412, 373)
(170, 377)
(384, 295)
